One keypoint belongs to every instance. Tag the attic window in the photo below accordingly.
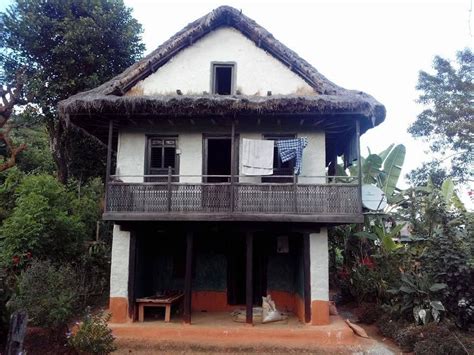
(223, 78)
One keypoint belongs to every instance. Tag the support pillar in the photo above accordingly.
(319, 269)
(306, 278)
(249, 279)
(188, 278)
(119, 305)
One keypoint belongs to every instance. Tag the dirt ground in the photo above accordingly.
(131, 346)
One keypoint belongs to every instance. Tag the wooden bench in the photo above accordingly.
(158, 301)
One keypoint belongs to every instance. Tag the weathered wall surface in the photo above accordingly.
(190, 70)
(132, 144)
(319, 269)
(119, 267)
(118, 303)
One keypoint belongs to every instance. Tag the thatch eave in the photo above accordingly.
(355, 103)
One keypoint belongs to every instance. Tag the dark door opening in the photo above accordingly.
(236, 271)
(218, 157)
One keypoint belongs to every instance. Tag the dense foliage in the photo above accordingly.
(48, 293)
(447, 122)
(93, 335)
(63, 47)
(49, 221)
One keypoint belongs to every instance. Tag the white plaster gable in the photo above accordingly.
(190, 70)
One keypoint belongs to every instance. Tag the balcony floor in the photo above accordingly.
(230, 217)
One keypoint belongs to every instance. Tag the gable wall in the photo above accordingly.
(190, 70)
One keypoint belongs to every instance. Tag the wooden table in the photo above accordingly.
(158, 301)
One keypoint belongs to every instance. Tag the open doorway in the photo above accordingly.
(217, 157)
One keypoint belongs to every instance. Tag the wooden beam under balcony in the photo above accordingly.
(232, 217)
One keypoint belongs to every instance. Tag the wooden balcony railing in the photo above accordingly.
(175, 199)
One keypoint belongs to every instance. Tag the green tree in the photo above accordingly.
(49, 221)
(66, 46)
(447, 122)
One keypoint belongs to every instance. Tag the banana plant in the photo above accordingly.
(382, 170)
(383, 237)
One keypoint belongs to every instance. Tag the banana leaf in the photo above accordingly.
(383, 155)
(447, 191)
(371, 169)
(392, 167)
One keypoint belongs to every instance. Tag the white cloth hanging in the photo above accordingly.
(257, 157)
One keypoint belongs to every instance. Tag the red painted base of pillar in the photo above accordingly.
(320, 312)
(118, 307)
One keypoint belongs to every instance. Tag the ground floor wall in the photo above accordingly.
(218, 276)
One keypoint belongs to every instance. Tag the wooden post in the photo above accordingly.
(16, 333)
(132, 260)
(169, 188)
(188, 278)
(249, 279)
(295, 193)
(232, 168)
(306, 278)
(109, 160)
(359, 163)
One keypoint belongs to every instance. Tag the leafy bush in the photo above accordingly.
(447, 257)
(388, 327)
(437, 340)
(419, 296)
(49, 221)
(368, 313)
(93, 336)
(47, 293)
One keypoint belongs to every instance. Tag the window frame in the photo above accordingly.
(279, 171)
(217, 64)
(160, 171)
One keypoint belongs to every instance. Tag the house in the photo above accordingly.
(186, 216)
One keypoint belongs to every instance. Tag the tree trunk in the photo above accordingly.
(57, 139)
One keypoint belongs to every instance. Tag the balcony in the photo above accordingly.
(305, 199)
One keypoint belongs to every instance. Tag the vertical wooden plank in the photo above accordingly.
(307, 278)
(131, 276)
(295, 193)
(188, 278)
(249, 278)
(169, 189)
(232, 167)
(359, 165)
(109, 161)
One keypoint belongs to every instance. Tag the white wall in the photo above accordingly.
(314, 157)
(190, 159)
(319, 265)
(120, 261)
(190, 70)
(131, 155)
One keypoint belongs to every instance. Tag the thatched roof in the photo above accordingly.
(328, 99)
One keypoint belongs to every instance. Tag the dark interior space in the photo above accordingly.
(236, 270)
(223, 80)
(218, 158)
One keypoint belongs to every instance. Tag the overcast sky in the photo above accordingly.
(374, 46)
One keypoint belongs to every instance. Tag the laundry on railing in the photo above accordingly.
(292, 148)
(257, 157)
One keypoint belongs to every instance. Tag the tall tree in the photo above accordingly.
(448, 120)
(66, 46)
(9, 97)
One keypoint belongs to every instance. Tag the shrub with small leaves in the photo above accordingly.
(48, 293)
(93, 335)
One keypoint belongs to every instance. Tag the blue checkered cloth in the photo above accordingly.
(292, 148)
